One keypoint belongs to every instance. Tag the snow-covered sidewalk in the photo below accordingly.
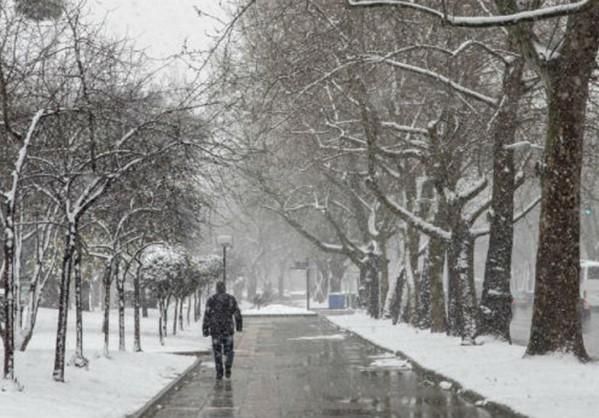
(111, 387)
(544, 387)
(275, 310)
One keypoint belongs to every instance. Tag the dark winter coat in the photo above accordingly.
(221, 310)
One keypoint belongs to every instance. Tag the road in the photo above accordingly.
(520, 330)
(304, 367)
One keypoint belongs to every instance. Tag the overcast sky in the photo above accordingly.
(160, 27)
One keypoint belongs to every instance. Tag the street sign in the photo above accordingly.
(300, 265)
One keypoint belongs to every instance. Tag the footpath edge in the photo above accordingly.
(436, 377)
(165, 390)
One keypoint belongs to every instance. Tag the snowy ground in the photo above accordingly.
(274, 309)
(551, 386)
(544, 387)
(111, 387)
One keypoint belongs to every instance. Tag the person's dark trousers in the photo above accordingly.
(218, 346)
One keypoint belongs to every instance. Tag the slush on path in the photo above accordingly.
(300, 367)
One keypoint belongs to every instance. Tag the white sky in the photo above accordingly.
(160, 27)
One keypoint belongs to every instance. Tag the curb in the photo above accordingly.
(436, 377)
(165, 390)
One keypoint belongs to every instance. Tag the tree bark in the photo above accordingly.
(181, 313)
(462, 249)
(8, 278)
(165, 306)
(384, 285)
(495, 311)
(196, 305)
(136, 313)
(175, 316)
(436, 261)
(395, 305)
(161, 321)
(63, 305)
(144, 302)
(107, 280)
(189, 302)
(120, 290)
(556, 324)
(79, 359)
(370, 274)
(423, 310)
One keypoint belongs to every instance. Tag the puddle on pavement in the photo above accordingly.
(321, 377)
(380, 384)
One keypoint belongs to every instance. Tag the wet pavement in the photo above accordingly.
(305, 367)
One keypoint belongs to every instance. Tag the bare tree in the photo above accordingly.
(563, 56)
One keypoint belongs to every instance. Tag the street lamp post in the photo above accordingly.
(225, 241)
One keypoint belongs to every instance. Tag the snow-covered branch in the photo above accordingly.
(375, 59)
(473, 191)
(17, 172)
(403, 128)
(407, 216)
(486, 21)
(486, 231)
(523, 146)
(527, 209)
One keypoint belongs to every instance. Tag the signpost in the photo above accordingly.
(225, 241)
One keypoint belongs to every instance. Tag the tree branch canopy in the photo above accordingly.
(486, 21)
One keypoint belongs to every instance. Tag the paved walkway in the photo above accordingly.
(278, 373)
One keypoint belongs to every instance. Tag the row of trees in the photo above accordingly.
(102, 161)
(393, 130)
(173, 276)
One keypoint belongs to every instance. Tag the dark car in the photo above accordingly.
(585, 313)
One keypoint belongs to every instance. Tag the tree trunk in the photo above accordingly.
(106, 280)
(495, 311)
(65, 282)
(395, 305)
(423, 310)
(78, 359)
(136, 308)
(412, 247)
(454, 303)
(369, 273)
(196, 305)
(8, 278)
(167, 301)
(556, 324)
(462, 249)
(161, 321)
(181, 313)
(175, 316)
(35, 295)
(199, 303)
(384, 285)
(189, 302)
(120, 290)
(16, 290)
(436, 261)
(144, 303)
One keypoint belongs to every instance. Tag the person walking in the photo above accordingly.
(221, 318)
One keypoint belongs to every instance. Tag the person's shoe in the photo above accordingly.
(219, 377)
(228, 373)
